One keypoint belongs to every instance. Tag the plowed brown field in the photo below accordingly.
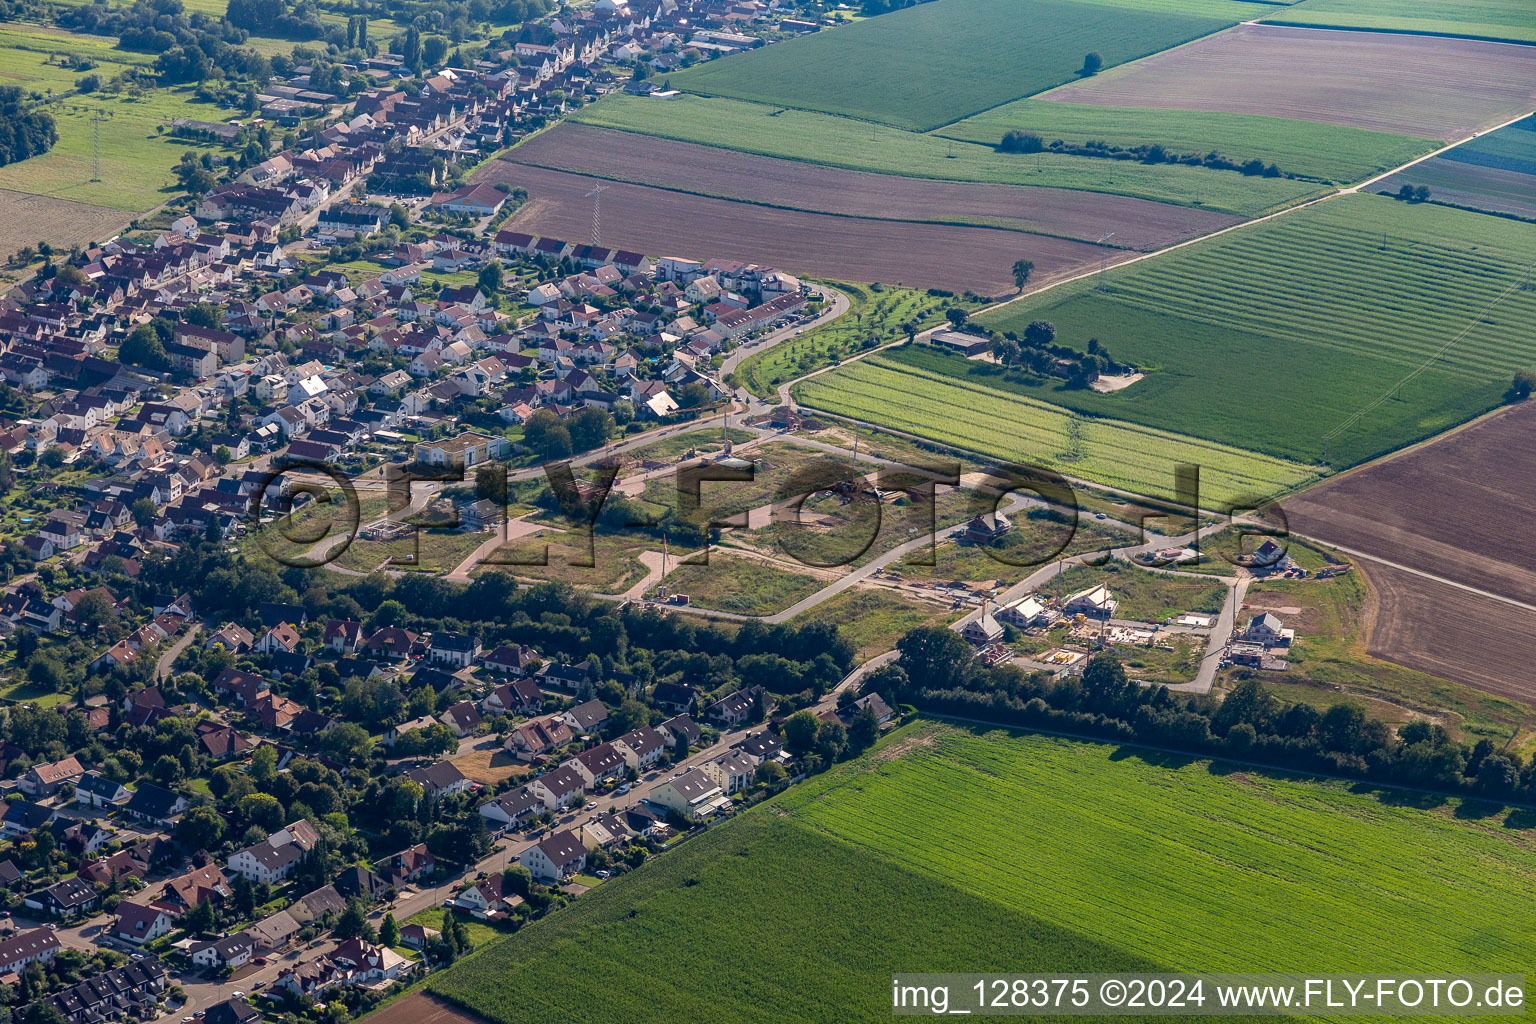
(1450, 633)
(1417, 85)
(706, 170)
(420, 1008)
(662, 222)
(27, 219)
(1459, 509)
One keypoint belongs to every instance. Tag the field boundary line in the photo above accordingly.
(1466, 587)
(598, 176)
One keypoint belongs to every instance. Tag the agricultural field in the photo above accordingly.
(969, 848)
(27, 219)
(1451, 508)
(1144, 596)
(1482, 19)
(874, 317)
(1412, 85)
(136, 159)
(793, 184)
(1333, 655)
(1445, 631)
(827, 140)
(658, 221)
(926, 66)
(1383, 323)
(1327, 152)
(1495, 173)
(888, 391)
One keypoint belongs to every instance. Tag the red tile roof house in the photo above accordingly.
(140, 924)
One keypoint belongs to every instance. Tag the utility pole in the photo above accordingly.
(1103, 259)
(597, 206)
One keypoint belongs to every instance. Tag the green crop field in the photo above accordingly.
(1328, 152)
(934, 63)
(1272, 336)
(892, 392)
(136, 160)
(861, 146)
(949, 851)
(1509, 20)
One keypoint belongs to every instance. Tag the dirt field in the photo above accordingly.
(27, 219)
(660, 222)
(646, 160)
(1450, 633)
(1458, 508)
(420, 1008)
(1495, 189)
(489, 767)
(1414, 85)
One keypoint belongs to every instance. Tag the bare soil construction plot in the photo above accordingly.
(1417, 85)
(1452, 634)
(661, 222)
(688, 167)
(27, 219)
(1460, 508)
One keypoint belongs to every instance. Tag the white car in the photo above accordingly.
(237, 995)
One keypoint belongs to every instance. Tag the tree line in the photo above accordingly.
(25, 131)
(937, 672)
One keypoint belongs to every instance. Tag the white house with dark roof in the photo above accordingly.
(555, 858)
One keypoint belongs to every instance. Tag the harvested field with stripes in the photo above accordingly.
(793, 184)
(1414, 85)
(654, 220)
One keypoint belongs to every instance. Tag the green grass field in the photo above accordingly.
(1144, 596)
(890, 391)
(1509, 20)
(1274, 335)
(858, 145)
(931, 64)
(741, 584)
(971, 853)
(136, 161)
(1329, 152)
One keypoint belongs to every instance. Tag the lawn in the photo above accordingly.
(931, 64)
(1509, 20)
(874, 317)
(874, 618)
(480, 933)
(888, 390)
(1144, 596)
(1364, 320)
(948, 851)
(136, 161)
(742, 584)
(1036, 539)
(1330, 153)
(819, 138)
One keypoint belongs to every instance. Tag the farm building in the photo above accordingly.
(967, 345)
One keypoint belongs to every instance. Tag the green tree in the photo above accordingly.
(201, 828)
(800, 731)
(143, 348)
(1093, 63)
(490, 277)
(144, 511)
(389, 931)
(1021, 271)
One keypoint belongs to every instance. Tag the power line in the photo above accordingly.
(96, 118)
(1396, 389)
